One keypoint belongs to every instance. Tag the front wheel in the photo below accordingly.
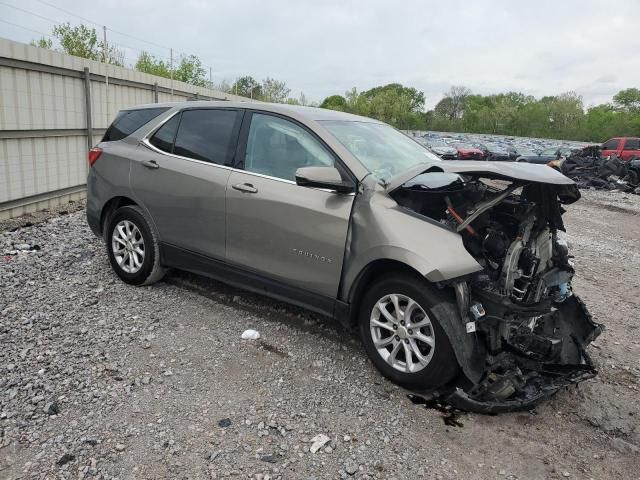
(402, 335)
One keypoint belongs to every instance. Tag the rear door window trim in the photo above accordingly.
(148, 144)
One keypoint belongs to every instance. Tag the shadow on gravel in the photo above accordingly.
(272, 310)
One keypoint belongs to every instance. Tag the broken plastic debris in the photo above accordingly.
(250, 335)
(319, 441)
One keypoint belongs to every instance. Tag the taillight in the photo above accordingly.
(94, 154)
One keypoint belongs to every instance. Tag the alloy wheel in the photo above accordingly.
(402, 333)
(128, 246)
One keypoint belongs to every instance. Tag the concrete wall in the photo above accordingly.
(45, 129)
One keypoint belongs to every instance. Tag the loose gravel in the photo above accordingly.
(102, 380)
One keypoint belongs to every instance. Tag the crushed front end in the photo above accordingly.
(526, 332)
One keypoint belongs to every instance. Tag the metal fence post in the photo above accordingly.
(87, 104)
(155, 92)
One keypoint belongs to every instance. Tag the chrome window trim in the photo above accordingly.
(145, 141)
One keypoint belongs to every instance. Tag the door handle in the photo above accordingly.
(150, 164)
(245, 187)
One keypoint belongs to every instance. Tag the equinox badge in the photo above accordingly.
(312, 256)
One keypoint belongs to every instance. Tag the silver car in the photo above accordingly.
(455, 273)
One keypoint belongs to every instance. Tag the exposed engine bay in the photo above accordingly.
(526, 332)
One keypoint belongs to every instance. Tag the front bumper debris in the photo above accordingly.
(527, 370)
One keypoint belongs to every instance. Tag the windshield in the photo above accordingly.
(438, 145)
(382, 150)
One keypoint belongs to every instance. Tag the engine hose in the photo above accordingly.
(458, 218)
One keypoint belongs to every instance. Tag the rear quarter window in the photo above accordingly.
(128, 121)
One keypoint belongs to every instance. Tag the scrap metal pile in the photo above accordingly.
(589, 169)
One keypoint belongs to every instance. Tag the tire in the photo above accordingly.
(441, 365)
(131, 266)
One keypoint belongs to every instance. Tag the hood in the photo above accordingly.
(498, 170)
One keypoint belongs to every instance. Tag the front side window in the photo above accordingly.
(382, 150)
(128, 121)
(611, 144)
(208, 134)
(277, 147)
(166, 134)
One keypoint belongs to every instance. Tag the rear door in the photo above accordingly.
(276, 228)
(180, 176)
(631, 148)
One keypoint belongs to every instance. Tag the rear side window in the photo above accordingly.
(128, 121)
(166, 134)
(611, 144)
(632, 144)
(208, 135)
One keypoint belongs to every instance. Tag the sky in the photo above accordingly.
(325, 47)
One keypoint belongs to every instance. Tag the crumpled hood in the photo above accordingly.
(499, 170)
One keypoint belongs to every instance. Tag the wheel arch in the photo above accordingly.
(365, 277)
(110, 207)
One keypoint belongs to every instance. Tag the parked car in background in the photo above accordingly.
(546, 155)
(466, 151)
(348, 217)
(493, 151)
(624, 147)
(443, 150)
(513, 153)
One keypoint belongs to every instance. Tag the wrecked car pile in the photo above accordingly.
(525, 332)
(589, 169)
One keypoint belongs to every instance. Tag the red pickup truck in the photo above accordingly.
(624, 147)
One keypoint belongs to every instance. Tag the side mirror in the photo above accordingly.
(323, 177)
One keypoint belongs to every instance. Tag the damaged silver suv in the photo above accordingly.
(453, 272)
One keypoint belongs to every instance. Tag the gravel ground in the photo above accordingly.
(102, 380)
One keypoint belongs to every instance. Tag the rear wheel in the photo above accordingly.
(132, 246)
(402, 335)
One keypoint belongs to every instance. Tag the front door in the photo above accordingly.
(180, 177)
(292, 234)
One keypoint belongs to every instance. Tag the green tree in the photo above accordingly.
(334, 102)
(393, 103)
(247, 86)
(42, 42)
(628, 100)
(273, 90)
(82, 41)
(147, 63)
(190, 70)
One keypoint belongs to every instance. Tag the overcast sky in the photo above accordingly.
(538, 47)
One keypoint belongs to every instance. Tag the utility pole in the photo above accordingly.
(171, 70)
(106, 70)
(210, 79)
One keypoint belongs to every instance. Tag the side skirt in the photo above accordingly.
(175, 257)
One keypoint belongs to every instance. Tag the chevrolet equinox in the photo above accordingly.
(455, 273)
